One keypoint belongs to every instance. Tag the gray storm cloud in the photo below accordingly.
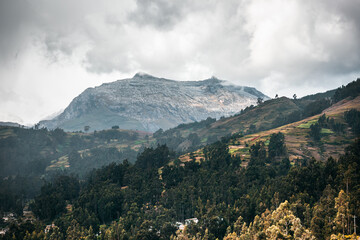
(278, 46)
(160, 13)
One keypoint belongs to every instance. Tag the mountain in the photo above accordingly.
(148, 103)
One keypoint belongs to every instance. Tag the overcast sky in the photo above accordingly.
(50, 51)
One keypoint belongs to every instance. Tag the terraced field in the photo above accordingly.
(62, 162)
(299, 144)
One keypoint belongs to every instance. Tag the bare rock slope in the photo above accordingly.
(148, 103)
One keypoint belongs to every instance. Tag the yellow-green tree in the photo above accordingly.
(54, 234)
(342, 208)
(279, 224)
(75, 231)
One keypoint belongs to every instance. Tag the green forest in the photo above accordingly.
(220, 195)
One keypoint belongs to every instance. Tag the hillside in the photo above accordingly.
(148, 103)
(267, 115)
(39, 152)
(262, 117)
(300, 146)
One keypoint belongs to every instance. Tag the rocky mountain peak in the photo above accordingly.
(148, 103)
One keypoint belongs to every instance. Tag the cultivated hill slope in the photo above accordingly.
(300, 145)
(37, 152)
(148, 103)
(270, 114)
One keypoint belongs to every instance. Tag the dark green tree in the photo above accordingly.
(153, 158)
(315, 131)
(277, 145)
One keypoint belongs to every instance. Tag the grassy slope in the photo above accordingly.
(299, 145)
(262, 116)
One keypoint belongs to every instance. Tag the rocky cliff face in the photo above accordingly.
(148, 103)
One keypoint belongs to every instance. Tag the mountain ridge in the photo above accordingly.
(148, 103)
